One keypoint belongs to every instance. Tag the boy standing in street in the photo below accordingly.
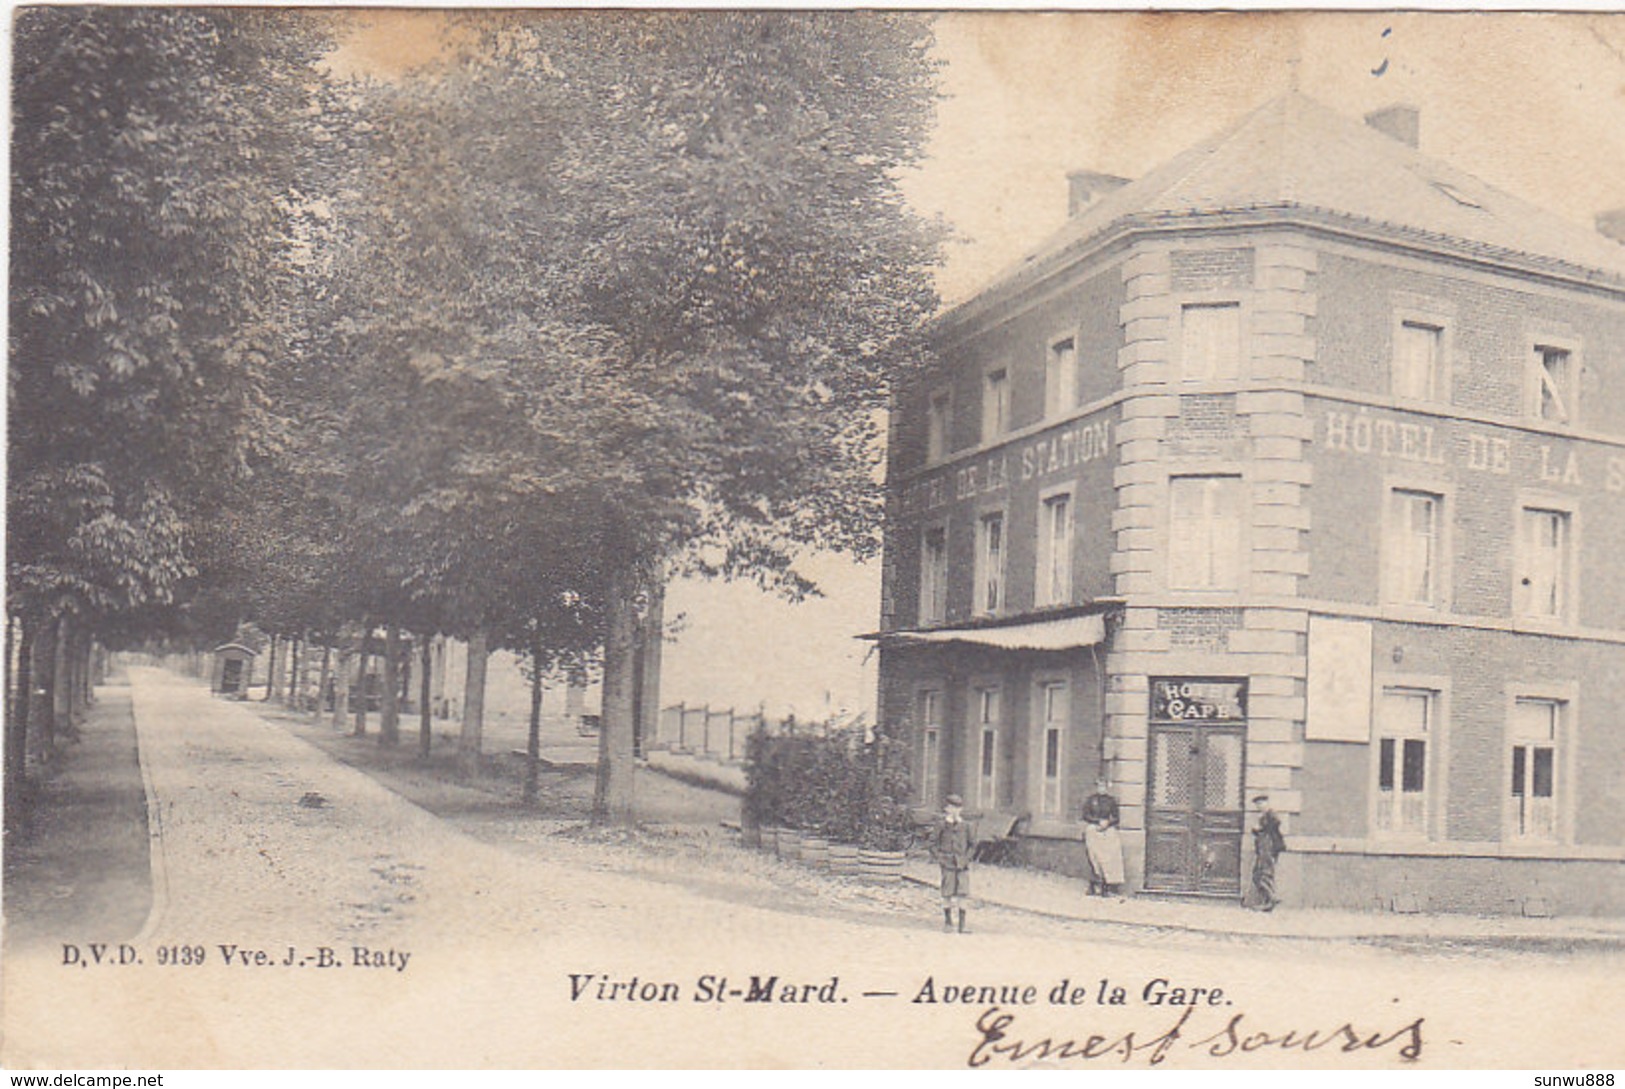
(950, 846)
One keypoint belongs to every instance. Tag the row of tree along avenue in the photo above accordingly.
(487, 347)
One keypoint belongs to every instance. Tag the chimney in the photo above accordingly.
(1402, 122)
(1611, 224)
(1085, 187)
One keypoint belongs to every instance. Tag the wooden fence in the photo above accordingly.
(719, 734)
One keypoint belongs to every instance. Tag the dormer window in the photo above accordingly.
(1456, 195)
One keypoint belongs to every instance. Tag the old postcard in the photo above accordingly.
(752, 539)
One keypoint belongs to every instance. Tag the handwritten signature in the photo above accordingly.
(1235, 1038)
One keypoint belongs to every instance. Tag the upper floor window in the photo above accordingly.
(1054, 583)
(1418, 353)
(1204, 542)
(988, 587)
(1404, 729)
(1061, 378)
(1533, 736)
(1555, 384)
(1411, 573)
(938, 413)
(995, 404)
(933, 575)
(1545, 562)
(1210, 341)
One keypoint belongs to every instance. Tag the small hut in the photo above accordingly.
(233, 670)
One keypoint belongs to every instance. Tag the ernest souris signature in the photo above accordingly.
(1007, 1035)
(1017, 1023)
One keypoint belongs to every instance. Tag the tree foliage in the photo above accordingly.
(154, 152)
(486, 348)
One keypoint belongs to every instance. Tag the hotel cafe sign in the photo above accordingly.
(1040, 458)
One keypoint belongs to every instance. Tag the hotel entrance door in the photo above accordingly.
(1194, 806)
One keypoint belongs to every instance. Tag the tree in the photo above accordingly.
(724, 202)
(154, 154)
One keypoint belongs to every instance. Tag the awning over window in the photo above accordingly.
(1062, 633)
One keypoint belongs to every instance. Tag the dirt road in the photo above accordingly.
(306, 916)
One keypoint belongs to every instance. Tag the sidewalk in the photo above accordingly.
(81, 866)
(1058, 896)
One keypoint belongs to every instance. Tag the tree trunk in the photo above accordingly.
(470, 737)
(533, 745)
(73, 680)
(341, 689)
(425, 733)
(296, 680)
(17, 724)
(613, 799)
(322, 679)
(403, 677)
(61, 687)
(81, 671)
(646, 671)
(273, 668)
(39, 737)
(360, 708)
(389, 714)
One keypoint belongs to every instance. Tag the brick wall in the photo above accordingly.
(1494, 323)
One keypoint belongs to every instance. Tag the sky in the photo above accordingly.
(1532, 104)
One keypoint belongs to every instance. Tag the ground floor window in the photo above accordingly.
(1405, 724)
(987, 760)
(1053, 704)
(931, 747)
(1532, 803)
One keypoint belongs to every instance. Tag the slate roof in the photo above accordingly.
(1294, 158)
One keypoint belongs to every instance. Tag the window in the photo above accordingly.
(1412, 575)
(937, 415)
(1053, 585)
(1210, 341)
(931, 747)
(933, 575)
(1204, 547)
(995, 404)
(1544, 558)
(1555, 384)
(989, 583)
(1404, 724)
(1418, 348)
(1054, 703)
(987, 759)
(1534, 731)
(1061, 379)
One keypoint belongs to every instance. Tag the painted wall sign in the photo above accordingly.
(1339, 680)
(1198, 699)
(1533, 459)
(1050, 454)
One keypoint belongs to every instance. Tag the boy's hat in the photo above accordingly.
(1261, 799)
(953, 799)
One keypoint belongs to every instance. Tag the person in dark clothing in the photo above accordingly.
(1102, 842)
(951, 847)
(1268, 843)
